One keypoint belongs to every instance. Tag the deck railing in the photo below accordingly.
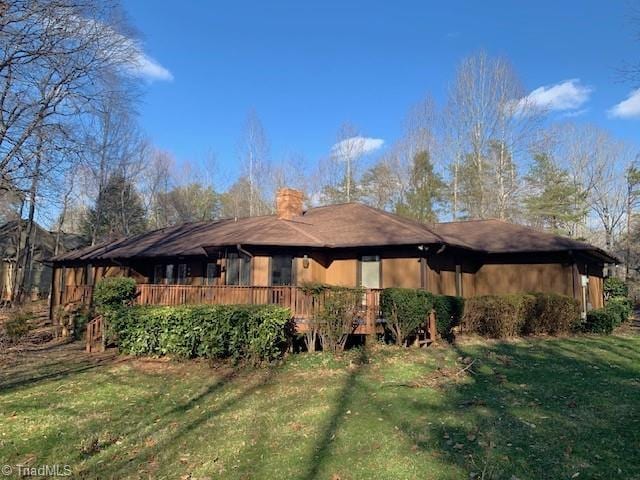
(301, 303)
(95, 340)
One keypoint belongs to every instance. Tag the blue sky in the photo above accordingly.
(308, 67)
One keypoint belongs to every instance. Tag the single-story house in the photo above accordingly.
(257, 259)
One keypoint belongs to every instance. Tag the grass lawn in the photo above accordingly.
(535, 409)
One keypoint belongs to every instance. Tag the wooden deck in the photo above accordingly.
(301, 304)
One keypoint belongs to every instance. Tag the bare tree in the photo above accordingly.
(489, 122)
(348, 149)
(56, 60)
(254, 157)
(53, 56)
(111, 142)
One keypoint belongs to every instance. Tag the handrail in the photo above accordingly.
(303, 305)
(95, 335)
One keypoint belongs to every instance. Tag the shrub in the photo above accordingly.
(80, 321)
(405, 309)
(502, 316)
(449, 311)
(113, 293)
(252, 332)
(497, 316)
(600, 320)
(18, 324)
(614, 287)
(604, 320)
(552, 314)
(621, 307)
(338, 316)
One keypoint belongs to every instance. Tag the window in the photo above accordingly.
(182, 273)
(89, 274)
(212, 273)
(370, 271)
(238, 269)
(170, 275)
(158, 273)
(281, 270)
(458, 280)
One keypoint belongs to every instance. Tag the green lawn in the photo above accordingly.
(557, 408)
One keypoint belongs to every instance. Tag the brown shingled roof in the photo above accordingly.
(333, 226)
(497, 236)
(344, 225)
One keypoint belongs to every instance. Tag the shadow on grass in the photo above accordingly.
(549, 409)
(322, 447)
(68, 360)
(184, 419)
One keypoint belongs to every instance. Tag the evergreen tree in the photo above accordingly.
(118, 211)
(553, 202)
(236, 201)
(193, 202)
(380, 186)
(474, 175)
(425, 193)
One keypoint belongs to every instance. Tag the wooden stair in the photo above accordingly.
(95, 337)
(429, 333)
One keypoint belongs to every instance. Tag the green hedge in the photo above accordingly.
(500, 316)
(113, 293)
(405, 309)
(615, 287)
(600, 320)
(252, 332)
(604, 320)
(449, 310)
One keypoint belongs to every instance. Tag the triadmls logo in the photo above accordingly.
(38, 471)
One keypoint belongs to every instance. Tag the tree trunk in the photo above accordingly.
(25, 271)
(14, 274)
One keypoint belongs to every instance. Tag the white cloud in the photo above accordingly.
(146, 67)
(628, 108)
(129, 52)
(566, 95)
(353, 147)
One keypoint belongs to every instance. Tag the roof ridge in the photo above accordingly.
(470, 220)
(300, 230)
(408, 222)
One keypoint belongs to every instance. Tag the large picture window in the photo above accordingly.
(281, 270)
(238, 269)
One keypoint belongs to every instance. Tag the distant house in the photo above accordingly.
(39, 281)
(255, 260)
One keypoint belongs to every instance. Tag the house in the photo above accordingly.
(38, 282)
(263, 259)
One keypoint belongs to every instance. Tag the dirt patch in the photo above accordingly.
(442, 377)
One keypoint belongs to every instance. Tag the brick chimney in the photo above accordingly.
(288, 203)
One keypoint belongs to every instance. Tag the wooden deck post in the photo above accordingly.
(370, 315)
(433, 328)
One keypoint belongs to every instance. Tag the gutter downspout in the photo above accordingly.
(243, 251)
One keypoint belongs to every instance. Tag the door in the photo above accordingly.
(370, 271)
